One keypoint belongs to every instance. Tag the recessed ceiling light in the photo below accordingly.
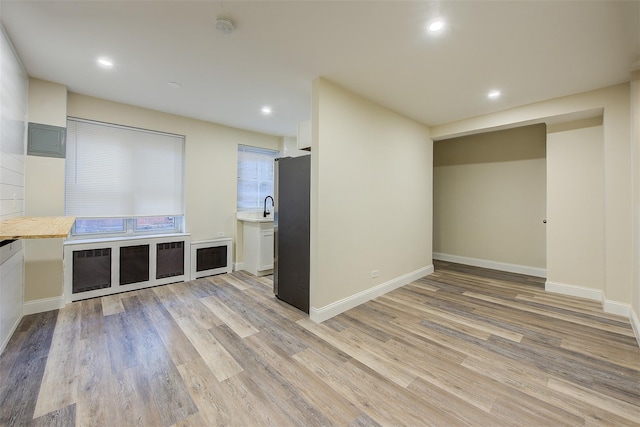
(436, 26)
(174, 85)
(105, 62)
(494, 94)
(266, 110)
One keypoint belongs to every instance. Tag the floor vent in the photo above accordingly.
(94, 268)
(170, 259)
(134, 264)
(210, 257)
(91, 270)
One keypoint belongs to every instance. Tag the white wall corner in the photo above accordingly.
(494, 265)
(321, 314)
(574, 291)
(614, 307)
(635, 324)
(237, 266)
(42, 305)
(608, 306)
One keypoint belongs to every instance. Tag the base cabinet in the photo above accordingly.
(257, 240)
(11, 289)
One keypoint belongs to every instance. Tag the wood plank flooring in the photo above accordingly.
(463, 346)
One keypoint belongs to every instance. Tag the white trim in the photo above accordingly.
(573, 290)
(8, 337)
(635, 324)
(494, 265)
(108, 239)
(205, 244)
(115, 243)
(321, 314)
(237, 266)
(42, 305)
(608, 306)
(615, 307)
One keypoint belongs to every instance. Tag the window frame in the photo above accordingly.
(260, 151)
(130, 223)
(130, 227)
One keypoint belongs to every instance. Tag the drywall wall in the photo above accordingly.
(371, 199)
(44, 197)
(575, 203)
(613, 104)
(489, 198)
(14, 84)
(635, 146)
(13, 97)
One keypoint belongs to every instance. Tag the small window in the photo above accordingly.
(156, 223)
(121, 180)
(121, 226)
(99, 226)
(255, 177)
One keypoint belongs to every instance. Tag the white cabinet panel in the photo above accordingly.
(11, 279)
(257, 241)
(266, 249)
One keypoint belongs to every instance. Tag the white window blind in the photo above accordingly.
(117, 171)
(255, 176)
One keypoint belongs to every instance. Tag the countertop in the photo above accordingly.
(253, 217)
(36, 227)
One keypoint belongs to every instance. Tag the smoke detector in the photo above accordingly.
(224, 25)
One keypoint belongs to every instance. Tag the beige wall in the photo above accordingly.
(371, 196)
(211, 168)
(576, 207)
(490, 197)
(635, 144)
(613, 104)
(44, 184)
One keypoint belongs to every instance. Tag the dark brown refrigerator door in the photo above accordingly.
(292, 230)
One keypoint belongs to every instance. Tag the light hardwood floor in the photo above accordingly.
(463, 346)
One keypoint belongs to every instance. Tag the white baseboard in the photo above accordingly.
(494, 265)
(573, 290)
(635, 324)
(42, 305)
(321, 314)
(614, 307)
(608, 306)
(237, 266)
(8, 337)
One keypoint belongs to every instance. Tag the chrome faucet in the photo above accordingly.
(266, 212)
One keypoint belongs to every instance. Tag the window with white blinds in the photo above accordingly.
(255, 176)
(117, 171)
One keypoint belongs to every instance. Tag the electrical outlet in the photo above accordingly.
(220, 233)
(374, 274)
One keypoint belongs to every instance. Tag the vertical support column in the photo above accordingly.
(618, 203)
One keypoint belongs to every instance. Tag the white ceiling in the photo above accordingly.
(531, 50)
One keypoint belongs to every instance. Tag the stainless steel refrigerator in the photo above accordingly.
(291, 230)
